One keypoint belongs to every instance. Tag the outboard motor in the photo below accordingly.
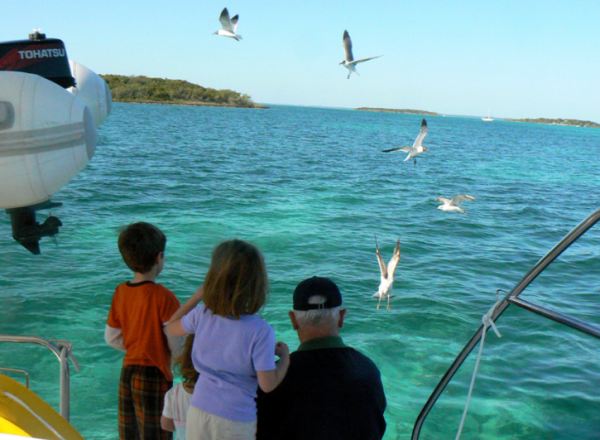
(47, 58)
(27, 231)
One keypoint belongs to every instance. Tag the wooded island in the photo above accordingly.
(398, 110)
(558, 121)
(171, 91)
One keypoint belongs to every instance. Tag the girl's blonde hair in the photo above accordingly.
(236, 283)
(185, 365)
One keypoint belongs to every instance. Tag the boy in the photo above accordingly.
(135, 325)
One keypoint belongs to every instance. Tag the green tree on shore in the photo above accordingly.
(145, 89)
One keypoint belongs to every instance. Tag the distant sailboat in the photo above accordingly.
(487, 118)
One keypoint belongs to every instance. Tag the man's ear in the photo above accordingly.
(294, 320)
(341, 318)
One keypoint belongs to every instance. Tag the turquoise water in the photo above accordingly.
(311, 188)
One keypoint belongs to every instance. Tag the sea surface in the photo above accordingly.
(312, 189)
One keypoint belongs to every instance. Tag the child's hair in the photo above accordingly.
(139, 244)
(184, 363)
(236, 282)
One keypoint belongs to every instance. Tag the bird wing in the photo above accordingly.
(422, 134)
(225, 21)
(362, 60)
(382, 267)
(461, 197)
(347, 47)
(389, 150)
(234, 22)
(395, 260)
(444, 200)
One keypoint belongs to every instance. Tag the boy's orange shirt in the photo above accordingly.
(140, 310)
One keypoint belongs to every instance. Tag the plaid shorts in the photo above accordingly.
(141, 396)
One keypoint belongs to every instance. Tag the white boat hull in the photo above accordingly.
(47, 135)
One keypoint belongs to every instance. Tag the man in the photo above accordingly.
(331, 391)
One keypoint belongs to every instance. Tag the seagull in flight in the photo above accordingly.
(349, 62)
(453, 204)
(387, 274)
(228, 25)
(417, 147)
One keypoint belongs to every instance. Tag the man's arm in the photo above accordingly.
(269, 408)
(114, 337)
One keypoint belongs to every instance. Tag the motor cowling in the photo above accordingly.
(46, 57)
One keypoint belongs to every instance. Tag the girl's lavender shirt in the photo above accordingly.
(227, 353)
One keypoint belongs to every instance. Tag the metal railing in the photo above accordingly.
(17, 371)
(513, 298)
(63, 352)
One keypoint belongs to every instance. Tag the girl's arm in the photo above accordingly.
(175, 344)
(269, 380)
(166, 418)
(167, 424)
(173, 326)
(189, 305)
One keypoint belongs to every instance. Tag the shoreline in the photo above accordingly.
(407, 111)
(544, 121)
(191, 103)
(557, 121)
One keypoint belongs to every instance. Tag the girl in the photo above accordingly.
(233, 347)
(177, 399)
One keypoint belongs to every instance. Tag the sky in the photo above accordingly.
(506, 58)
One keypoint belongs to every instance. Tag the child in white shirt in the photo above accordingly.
(177, 399)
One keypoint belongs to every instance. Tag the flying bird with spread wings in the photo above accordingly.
(417, 147)
(349, 62)
(453, 204)
(387, 274)
(228, 25)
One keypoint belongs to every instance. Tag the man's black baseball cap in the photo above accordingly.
(317, 286)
